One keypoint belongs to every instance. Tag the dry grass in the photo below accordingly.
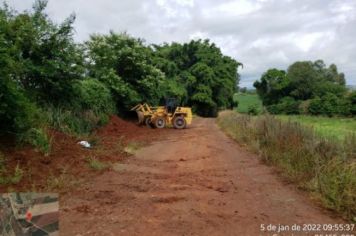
(323, 166)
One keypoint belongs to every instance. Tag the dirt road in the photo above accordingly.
(195, 182)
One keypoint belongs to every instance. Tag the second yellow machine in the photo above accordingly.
(162, 116)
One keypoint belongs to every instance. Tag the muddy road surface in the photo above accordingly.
(195, 181)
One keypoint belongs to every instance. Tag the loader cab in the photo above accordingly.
(171, 105)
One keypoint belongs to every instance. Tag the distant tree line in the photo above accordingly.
(306, 88)
(49, 80)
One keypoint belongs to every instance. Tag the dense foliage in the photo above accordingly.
(207, 79)
(48, 80)
(306, 87)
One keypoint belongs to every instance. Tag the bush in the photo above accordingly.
(287, 105)
(304, 107)
(252, 110)
(330, 105)
(17, 113)
(94, 95)
(352, 98)
(316, 106)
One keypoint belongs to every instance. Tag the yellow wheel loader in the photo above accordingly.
(163, 116)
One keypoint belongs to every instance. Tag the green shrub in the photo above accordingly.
(352, 99)
(304, 107)
(287, 105)
(316, 106)
(94, 95)
(17, 112)
(330, 105)
(252, 110)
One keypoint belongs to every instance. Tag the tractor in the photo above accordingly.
(162, 116)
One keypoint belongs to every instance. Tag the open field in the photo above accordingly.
(330, 127)
(247, 100)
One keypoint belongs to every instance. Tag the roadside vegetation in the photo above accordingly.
(50, 82)
(317, 164)
(96, 164)
(302, 121)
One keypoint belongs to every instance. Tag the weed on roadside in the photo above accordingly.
(132, 147)
(39, 139)
(96, 164)
(8, 178)
(324, 166)
(60, 182)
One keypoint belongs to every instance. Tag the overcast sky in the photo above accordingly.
(259, 33)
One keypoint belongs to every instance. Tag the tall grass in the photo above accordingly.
(318, 164)
(75, 123)
(38, 138)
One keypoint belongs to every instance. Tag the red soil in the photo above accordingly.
(67, 155)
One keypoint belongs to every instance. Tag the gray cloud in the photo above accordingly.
(259, 33)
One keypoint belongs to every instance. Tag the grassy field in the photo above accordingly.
(328, 127)
(247, 100)
(332, 127)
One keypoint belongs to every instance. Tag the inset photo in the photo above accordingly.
(27, 214)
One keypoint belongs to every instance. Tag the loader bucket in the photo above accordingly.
(141, 117)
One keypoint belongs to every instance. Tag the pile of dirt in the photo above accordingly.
(118, 127)
(68, 158)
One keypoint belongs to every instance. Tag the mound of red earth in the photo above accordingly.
(118, 127)
(68, 159)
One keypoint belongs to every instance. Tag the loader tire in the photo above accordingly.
(179, 122)
(160, 122)
(148, 122)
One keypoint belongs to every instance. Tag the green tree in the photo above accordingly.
(304, 81)
(273, 86)
(45, 59)
(123, 63)
(352, 99)
(209, 78)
